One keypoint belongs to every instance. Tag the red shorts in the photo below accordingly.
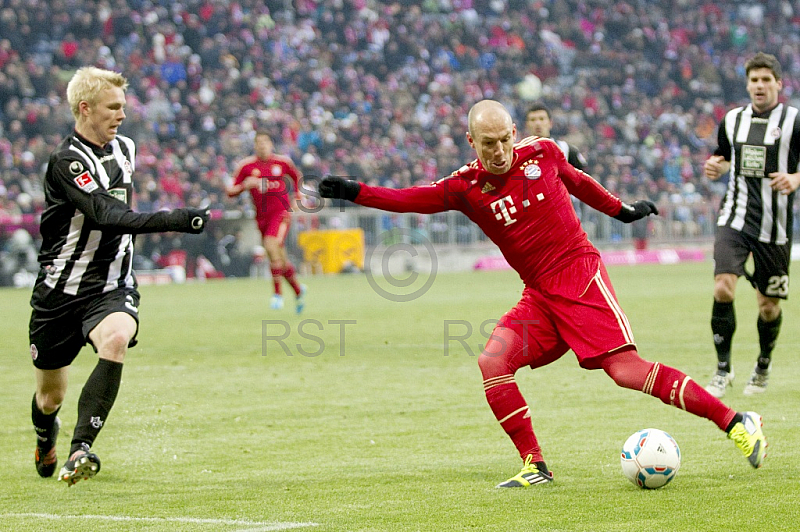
(575, 309)
(276, 225)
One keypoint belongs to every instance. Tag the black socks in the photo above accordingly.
(44, 425)
(96, 400)
(723, 325)
(767, 334)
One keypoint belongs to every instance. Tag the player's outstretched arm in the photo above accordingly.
(114, 215)
(637, 211)
(338, 188)
(124, 220)
(443, 195)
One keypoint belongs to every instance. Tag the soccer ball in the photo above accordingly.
(650, 458)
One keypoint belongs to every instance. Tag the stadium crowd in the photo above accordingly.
(379, 91)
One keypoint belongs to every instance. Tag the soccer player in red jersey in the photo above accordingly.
(271, 178)
(519, 195)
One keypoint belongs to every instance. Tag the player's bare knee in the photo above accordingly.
(769, 310)
(114, 344)
(723, 295)
(49, 401)
(725, 288)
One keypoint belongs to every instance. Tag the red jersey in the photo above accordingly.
(527, 212)
(272, 197)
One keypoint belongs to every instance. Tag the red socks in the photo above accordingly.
(673, 387)
(288, 274)
(677, 389)
(512, 412)
(276, 279)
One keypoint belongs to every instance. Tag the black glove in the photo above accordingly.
(637, 211)
(194, 220)
(338, 188)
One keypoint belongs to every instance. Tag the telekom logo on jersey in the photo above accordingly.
(501, 212)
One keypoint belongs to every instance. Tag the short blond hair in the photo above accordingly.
(87, 83)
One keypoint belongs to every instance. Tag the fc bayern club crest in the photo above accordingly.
(532, 171)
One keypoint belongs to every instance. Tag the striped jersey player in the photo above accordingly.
(757, 144)
(86, 290)
(758, 150)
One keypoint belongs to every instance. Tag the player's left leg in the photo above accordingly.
(597, 310)
(289, 274)
(675, 388)
(279, 244)
(111, 338)
(768, 326)
(771, 280)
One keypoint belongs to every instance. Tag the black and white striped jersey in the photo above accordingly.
(757, 144)
(83, 183)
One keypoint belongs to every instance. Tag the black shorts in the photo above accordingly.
(60, 330)
(771, 261)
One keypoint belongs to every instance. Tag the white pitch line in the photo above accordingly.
(252, 525)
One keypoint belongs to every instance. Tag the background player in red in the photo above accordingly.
(518, 193)
(271, 179)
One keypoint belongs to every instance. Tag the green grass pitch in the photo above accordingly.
(232, 417)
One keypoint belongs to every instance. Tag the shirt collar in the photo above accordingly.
(104, 150)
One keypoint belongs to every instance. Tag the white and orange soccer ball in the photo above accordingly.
(650, 458)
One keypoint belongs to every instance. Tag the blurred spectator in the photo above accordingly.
(18, 264)
(234, 259)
